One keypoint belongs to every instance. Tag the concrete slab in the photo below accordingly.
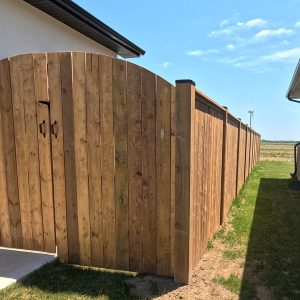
(17, 264)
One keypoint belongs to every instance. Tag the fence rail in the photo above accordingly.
(88, 148)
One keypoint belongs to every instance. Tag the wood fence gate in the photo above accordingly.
(87, 160)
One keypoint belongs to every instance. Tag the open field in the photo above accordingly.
(277, 151)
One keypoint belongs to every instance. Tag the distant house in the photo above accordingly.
(294, 95)
(57, 25)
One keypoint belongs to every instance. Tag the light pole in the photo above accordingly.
(251, 112)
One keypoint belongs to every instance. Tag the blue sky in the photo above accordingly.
(240, 53)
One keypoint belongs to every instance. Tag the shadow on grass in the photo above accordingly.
(273, 254)
(68, 281)
(62, 281)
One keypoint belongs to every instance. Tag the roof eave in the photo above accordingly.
(294, 83)
(74, 16)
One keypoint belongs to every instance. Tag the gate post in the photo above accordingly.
(185, 110)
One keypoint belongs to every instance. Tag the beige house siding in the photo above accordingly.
(25, 29)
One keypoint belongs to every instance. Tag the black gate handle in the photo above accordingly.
(54, 129)
(43, 128)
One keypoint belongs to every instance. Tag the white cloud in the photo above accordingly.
(230, 47)
(284, 55)
(258, 22)
(202, 52)
(297, 24)
(224, 22)
(268, 33)
(166, 65)
(225, 31)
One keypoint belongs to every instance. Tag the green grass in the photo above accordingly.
(265, 230)
(232, 283)
(59, 281)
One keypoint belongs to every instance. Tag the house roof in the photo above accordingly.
(71, 14)
(294, 89)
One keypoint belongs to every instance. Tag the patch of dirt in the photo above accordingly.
(211, 265)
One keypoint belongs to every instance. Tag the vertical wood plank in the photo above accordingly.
(135, 184)
(163, 176)
(121, 162)
(5, 234)
(9, 153)
(81, 159)
(59, 189)
(16, 70)
(94, 157)
(69, 153)
(32, 148)
(149, 171)
(44, 146)
(107, 162)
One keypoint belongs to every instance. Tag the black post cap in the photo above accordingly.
(186, 81)
(225, 107)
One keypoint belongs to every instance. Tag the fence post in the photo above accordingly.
(224, 163)
(246, 146)
(185, 109)
(238, 158)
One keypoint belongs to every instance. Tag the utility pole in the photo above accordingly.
(251, 112)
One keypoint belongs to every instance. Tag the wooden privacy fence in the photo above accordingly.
(215, 152)
(87, 163)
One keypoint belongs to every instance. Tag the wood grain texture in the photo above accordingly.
(44, 148)
(5, 234)
(121, 163)
(9, 154)
(94, 157)
(69, 154)
(33, 159)
(163, 176)
(149, 170)
(107, 162)
(58, 161)
(21, 68)
(135, 184)
(113, 165)
(81, 157)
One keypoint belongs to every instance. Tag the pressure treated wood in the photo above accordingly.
(69, 155)
(135, 184)
(81, 158)
(58, 159)
(107, 161)
(163, 178)
(185, 107)
(149, 170)
(9, 154)
(93, 110)
(18, 66)
(44, 146)
(112, 165)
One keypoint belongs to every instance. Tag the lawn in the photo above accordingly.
(264, 232)
(261, 237)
